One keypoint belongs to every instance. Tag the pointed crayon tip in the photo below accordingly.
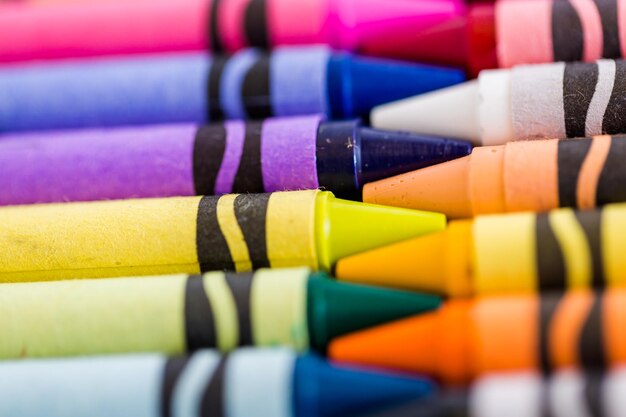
(442, 188)
(425, 30)
(326, 390)
(388, 153)
(337, 308)
(450, 112)
(347, 227)
(376, 81)
(437, 263)
(434, 343)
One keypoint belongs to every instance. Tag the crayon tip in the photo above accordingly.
(346, 227)
(387, 153)
(376, 81)
(442, 188)
(326, 390)
(425, 30)
(336, 308)
(433, 343)
(350, 155)
(450, 112)
(437, 263)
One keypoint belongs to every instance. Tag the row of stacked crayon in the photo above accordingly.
(172, 245)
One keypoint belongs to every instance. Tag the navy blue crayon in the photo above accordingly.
(195, 87)
(246, 383)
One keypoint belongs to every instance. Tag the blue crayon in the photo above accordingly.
(194, 87)
(246, 383)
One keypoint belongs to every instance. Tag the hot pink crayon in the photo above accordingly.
(424, 30)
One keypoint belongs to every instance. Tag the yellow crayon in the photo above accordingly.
(196, 234)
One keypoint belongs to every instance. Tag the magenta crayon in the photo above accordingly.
(291, 153)
(396, 28)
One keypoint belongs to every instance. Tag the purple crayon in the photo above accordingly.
(274, 154)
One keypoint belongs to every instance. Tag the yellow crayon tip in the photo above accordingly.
(438, 263)
(345, 227)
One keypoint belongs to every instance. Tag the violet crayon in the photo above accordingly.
(276, 154)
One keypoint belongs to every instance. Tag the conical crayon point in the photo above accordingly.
(450, 112)
(326, 390)
(436, 263)
(346, 227)
(442, 188)
(376, 81)
(434, 343)
(425, 30)
(387, 153)
(337, 308)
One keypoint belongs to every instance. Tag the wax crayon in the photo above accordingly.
(525, 394)
(196, 234)
(465, 339)
(291, 153)
(427, 30)
(539, 175)
(175, 314)
(193, 87)
(526, 102)
(496, 254)
(248, 382)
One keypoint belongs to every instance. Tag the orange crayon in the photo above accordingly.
(503, 254)
(468, 338)
(536, 175)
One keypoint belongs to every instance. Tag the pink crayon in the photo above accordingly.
(427, 30)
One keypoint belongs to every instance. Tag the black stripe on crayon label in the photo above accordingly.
(241, 287)
(550, 258)
(213, 88)
(592, 393)
(199, 319)
(208, 154)
(173, 368)
(614, 121)
(612, 180)
(249, 177)
(591, 222)
(579, 84)
(548, 304)
(215, 43)
(212, 403)
(567, 32)
(255, 91)
(251, 214)
(211, 246)
(591, 340)
(256, 24)
(610, 28)
(571, 155)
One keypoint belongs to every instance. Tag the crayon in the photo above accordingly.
(497, 254)
(427, 30)
(465, 339)
(525, 394)
(539, 175)
(248, 382)
(526, 102)
(280, 154)
(196, 234)
(193, 87)
(175, 314)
